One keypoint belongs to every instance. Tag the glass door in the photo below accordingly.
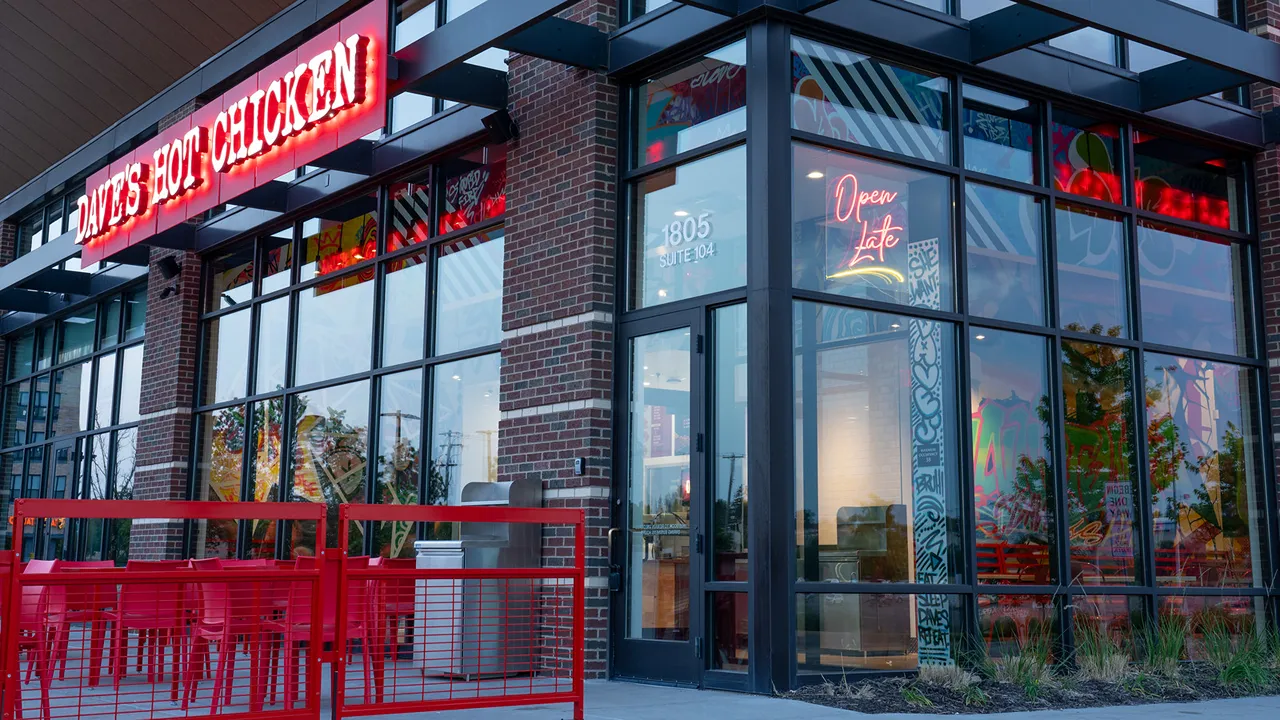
(656, 545)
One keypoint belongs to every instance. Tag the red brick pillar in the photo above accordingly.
(168, 391)
(1263, 19)
(558, 304)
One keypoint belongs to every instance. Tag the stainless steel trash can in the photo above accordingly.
(480, 628)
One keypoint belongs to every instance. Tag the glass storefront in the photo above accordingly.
(364, 371)
(1026, 397)
(72, 406)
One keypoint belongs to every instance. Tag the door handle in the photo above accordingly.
(615, 569)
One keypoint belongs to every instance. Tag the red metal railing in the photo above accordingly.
(165, 638)
(188, 638)
(451, 638)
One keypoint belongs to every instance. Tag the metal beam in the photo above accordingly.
(356, 157)
(104, 282)
(562, 41)
(1175, 29)
(648, 43)
(271, 196)
(487, 25)
(1013, 28)
(1184, 80)
(18, 300)
(467, 84)
(60, 281)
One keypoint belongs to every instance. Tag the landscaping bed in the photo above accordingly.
(1106, 669)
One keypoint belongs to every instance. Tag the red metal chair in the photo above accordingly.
(155, 611)
(394, 598)
(41, 626)
(295, 626)
(85, 604)
(227, 613)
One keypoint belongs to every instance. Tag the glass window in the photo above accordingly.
(1207, 619)
(109, 328)
(1101, 620)
(399, 459)
(475, 187)
(330, 445)
(264, 471)
(1000, 134)
(692, 236)
(870, 230)
(105, 392)
(410, 214)
(410, 108)
(464, 425)
(17, 398)
(1092, 294)
(226, 355)
(659, 486)
(1088, 42)
(876, 452)
(76, 334)
(231, 278)
(71, 399)
(970, 9)
(404, 303)
(1102, 486)
(730, 629)
(839, 632)
(40, 408)
(1193, 290)
(31, 233)
(698, 104)
(44, 347)
(340, 238)
(277, 260)
(1004, 243)
(939, 5)
(130, 385)
(1012, 461)
(218, 472)
(1018, 625)
(10, 489)
(21, 350)
(1086, 157)
(729, 387)
(135, 314)
(1205, 472)
(335, 329)
(1187, 182)
(640, 7)
(413, 20)
(851, 97)
(468, 293)
(273, 331)
(54, 227)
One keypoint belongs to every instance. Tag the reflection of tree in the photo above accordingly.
(334, 455)
(1224, 470)
(268, 419)
(1098, 403)
(399, 470)
(731, 511)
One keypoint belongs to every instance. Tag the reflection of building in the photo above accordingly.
(815, 326)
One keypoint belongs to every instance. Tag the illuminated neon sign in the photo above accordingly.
(328, 92)
(877, 234)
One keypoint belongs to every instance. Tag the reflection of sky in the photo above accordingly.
(1188, 291)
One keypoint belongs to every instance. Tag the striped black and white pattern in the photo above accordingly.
(1001, 227)
(873, 103)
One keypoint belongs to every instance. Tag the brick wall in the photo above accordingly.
(1263, 18)
(558, 301)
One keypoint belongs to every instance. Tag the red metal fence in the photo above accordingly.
(451, 638)
(184, 637)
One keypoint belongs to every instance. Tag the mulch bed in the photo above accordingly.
(908, 695)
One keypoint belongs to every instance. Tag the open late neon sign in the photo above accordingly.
(877, 234)
(328, 92)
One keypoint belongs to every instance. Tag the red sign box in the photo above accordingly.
(329, 92)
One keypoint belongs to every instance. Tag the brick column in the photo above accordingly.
(1263, 19)
(558, 304)
(168, 391)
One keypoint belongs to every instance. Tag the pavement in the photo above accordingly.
(631, 701)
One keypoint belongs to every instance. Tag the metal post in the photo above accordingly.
(769, 413)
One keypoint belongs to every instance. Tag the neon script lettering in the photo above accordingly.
(878, 234)
(311, 94)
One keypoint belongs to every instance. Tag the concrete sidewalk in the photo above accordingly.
(630, 701)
